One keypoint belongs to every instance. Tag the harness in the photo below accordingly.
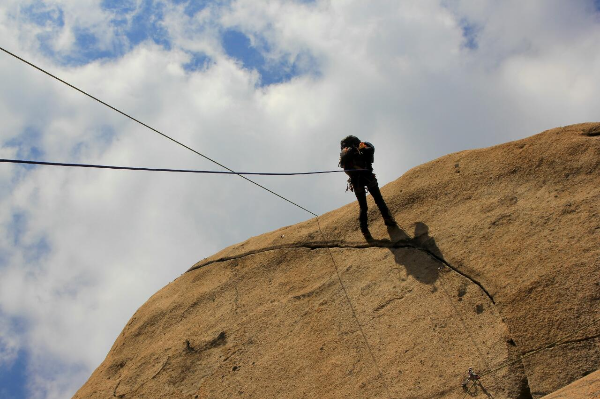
(358, 158)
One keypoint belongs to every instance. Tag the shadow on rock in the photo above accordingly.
(423, 240)
(476, 389)
(418, 263)
(397, 235)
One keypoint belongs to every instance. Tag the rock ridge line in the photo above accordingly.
(336, 244)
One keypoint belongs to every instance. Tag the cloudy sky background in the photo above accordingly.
(259, 86)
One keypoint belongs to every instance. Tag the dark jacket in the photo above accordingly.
(361, 157)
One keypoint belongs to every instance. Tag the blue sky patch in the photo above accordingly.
(99, 138)
(28, 147)
(13, 378)
(42, 15)
(470, 32)
(198, 61)
(37, 251)
(105, 135)
(133, 23)
(13, 375)
(146, 24)
(237, 45)
(597, 5)
(119, 6)
(192, 7)
(17, 227)
(33, 250)
(86, 48)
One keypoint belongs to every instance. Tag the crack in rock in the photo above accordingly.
(560, 343)
(333, 244)
(372, 244)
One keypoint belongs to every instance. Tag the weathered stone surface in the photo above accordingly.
(585, 388)
(496, 266)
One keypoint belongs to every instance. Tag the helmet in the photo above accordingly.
(350, 141)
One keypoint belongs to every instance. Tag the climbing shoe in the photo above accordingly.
(367, 234)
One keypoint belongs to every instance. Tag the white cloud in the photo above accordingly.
(395, 73)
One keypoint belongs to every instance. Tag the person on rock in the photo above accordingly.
(356, 158)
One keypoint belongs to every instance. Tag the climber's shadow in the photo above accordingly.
(475, 389)
(424, 263)
(397, 234)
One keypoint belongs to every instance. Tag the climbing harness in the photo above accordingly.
(349, 185)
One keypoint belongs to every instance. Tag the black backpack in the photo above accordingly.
(368, 157)
(353, 158)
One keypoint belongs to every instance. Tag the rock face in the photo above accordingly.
(587, 387)
(495, 266)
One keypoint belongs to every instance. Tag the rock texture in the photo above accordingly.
(587, 387)
(495, 266)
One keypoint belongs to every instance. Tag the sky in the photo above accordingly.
(269, 86)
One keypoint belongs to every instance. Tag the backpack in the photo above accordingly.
(355, 158)
(368, 157)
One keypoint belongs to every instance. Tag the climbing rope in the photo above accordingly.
(231, 172)
(366, 341)
(241, 174)
(78, 165)
(153, 129)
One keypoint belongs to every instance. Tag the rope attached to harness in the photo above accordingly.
(220, 172)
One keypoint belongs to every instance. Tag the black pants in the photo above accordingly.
(360, 180)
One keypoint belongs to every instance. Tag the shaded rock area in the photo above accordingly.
(495, 266)
(587, 387)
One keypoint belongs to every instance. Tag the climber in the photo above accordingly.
(360, 155)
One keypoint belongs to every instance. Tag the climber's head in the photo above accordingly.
(350, 142)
